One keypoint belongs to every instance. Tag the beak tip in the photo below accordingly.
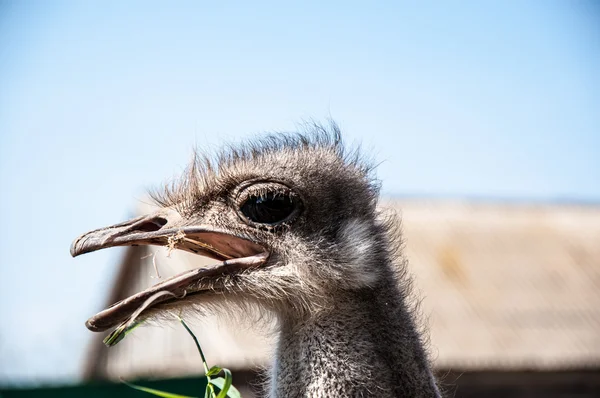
(86, 243)
(93, 326)
(73, 251)
(90, 325)
(76, 248)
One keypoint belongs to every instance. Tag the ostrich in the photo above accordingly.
(293, 225)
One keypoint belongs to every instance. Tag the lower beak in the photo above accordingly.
(163, 228)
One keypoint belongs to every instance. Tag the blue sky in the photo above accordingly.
(101, 100)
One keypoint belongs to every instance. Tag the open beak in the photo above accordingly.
(167, 228)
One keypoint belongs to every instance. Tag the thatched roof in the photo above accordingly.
(503, 286)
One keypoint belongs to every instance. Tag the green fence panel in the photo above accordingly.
(185, 386)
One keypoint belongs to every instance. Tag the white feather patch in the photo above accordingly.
(358, 245)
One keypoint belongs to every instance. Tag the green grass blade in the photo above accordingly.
(197, 343)
(119, 333)
(224, 384)
(215, 370)
(209, 387)
(158, 393)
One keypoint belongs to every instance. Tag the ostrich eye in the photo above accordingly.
(271, 207)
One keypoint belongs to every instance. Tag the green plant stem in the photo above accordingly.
(210, 386)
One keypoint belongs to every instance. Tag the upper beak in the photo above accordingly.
(167, 228)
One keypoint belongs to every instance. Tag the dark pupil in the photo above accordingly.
(268, 209)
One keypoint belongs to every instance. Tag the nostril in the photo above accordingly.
(151, 225)
(161, 222)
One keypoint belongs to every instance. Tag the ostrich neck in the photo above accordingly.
(367, 345)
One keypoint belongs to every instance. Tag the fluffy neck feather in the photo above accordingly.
(366, 345)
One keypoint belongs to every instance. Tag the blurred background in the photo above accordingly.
(484, 116)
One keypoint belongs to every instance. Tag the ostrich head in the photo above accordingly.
(288, 219)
